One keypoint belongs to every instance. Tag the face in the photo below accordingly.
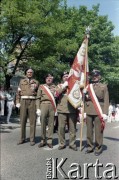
(96, 78)
(49, 80)
(29, 73)
(65, 77)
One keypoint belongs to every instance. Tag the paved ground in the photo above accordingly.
(24, 162)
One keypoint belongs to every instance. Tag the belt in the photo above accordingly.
(46, 102)
(28, 97)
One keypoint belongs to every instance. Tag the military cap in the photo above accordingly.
(95, 72)
(64, 73)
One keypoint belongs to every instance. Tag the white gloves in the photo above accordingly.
(81, 115)
(38, 112)
(56, 114)
(18, 105)
(65, 84)
(104, 117)
(85, 90)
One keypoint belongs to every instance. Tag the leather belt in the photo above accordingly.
(28, 97)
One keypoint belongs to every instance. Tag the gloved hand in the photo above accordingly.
(79, 108)
(18, 105)
(104, 117)
(85, 90)
(38, 112)
(65, 84)
(85, 116)
(81, 85)
(56, 114)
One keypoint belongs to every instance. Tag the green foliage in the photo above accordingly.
(46, 34)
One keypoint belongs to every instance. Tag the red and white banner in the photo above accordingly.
(50, 95)
(78, 75)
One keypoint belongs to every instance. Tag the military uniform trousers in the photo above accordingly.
(94, 126)
(62, 117)
(47, 116)
(28, 109)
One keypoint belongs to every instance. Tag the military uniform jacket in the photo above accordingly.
(63, 105)
(27, 88)
(42, 97)
(102, 94)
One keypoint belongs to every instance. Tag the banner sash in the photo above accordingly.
(51, 97)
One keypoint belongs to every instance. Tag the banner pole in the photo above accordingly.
(85, 78)
(82, 112)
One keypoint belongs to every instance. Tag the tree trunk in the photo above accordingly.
(7, 81)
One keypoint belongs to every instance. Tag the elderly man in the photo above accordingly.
(96, 108)
(46, 107)
(26, 101)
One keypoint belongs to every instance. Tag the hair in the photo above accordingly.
(27, 70)
(49, 74)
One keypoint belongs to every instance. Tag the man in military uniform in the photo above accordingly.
(65, 112)
(97, 100)
(26, 101)
(46, 108)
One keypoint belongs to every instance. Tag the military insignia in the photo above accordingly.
(76, 94)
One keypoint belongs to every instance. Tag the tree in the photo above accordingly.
(20, 21)
(47, 34)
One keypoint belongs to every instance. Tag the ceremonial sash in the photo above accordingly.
(96, 105)
(51, 97)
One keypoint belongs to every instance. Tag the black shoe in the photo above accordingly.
(61, 147)
(97, 153)
(50, 145)
(21, 142)
(42, 144)
(32, 143)
(73, 148)
(89, 151)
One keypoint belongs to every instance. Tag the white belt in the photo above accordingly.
(28, 97)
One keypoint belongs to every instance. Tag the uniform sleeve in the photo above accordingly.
(38, 98)
(36, 87)
(106, 100)
(18, 94)
(59, 90)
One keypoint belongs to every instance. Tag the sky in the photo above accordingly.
(107, 7)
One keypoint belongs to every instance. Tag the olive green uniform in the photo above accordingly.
(93, 120)
(26, 96)
(65, 112)
(47, 113)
